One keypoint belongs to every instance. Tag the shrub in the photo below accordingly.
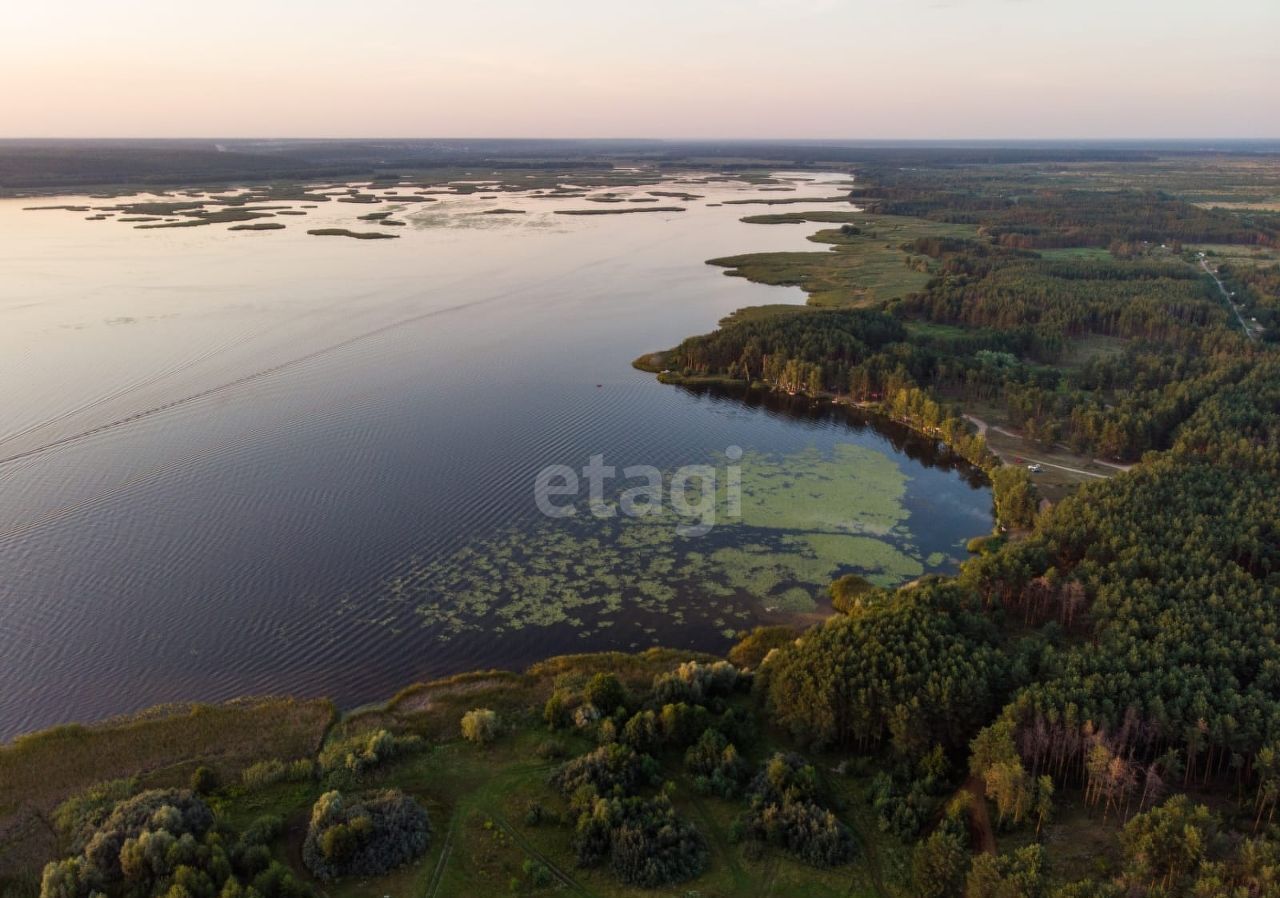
(557, 712)
(262, 831)
(694, 683)
(737, 726)
(537, 873)
(362, 752)
(608, 769)
(907, 799)
(79, 816)
(367, 836)
(784, 812)
(1020, 873)
(480, 726)
(536, 814)
(551, 749)
(162, 843)
(263, 773)
(848, 593)
(641, 732)
(756, 646)
(585, 716)
(682, 724)
(607, 732)
(717, 767)
(604, 690)
(204, 780)
(984, 545)
(645, 843)
(939, 865)
(300, 770)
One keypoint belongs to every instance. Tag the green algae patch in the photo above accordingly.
(855, 490)
(805, 518)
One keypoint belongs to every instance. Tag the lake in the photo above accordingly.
(267, 462)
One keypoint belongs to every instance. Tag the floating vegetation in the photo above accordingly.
(358, 235)
(806, 518)
(619, 211)
(823, 216)
(787, 200)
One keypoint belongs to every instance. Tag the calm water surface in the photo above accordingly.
(238, 462)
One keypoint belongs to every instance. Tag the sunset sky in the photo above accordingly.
(662, 68)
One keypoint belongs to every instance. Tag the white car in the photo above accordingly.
(1034, 468)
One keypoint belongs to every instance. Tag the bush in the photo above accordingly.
(551, 750)
(300, 770)
(204, 780)
(585, 716)
(604, 690)
(536, 814)
(367, 836)
(262, 831)
(907, 798)
(641, 732)
(752, 650)
(608, 769)
(984, 545)
(784, 812)
(717, 767)
(848, 593)
(263, 773)
(694, 683)
(362, 752)
(644, 841)
(939, 865)
(480, 726)
(558, 711)
(537, 873)
(682, 724)
(79, 816)
(162, 843)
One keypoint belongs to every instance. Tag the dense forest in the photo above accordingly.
(1134, 656)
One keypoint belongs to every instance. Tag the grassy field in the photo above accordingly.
(1077, 254)
(161, 747)
(483, 844)
(859, 269)
(478, 798)
(1094, 346)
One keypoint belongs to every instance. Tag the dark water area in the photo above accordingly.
(236, 464)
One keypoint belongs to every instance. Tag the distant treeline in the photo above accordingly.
(51, 164)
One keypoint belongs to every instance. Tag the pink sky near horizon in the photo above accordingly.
(692, 69)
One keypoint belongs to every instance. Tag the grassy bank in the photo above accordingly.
(478, 797)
